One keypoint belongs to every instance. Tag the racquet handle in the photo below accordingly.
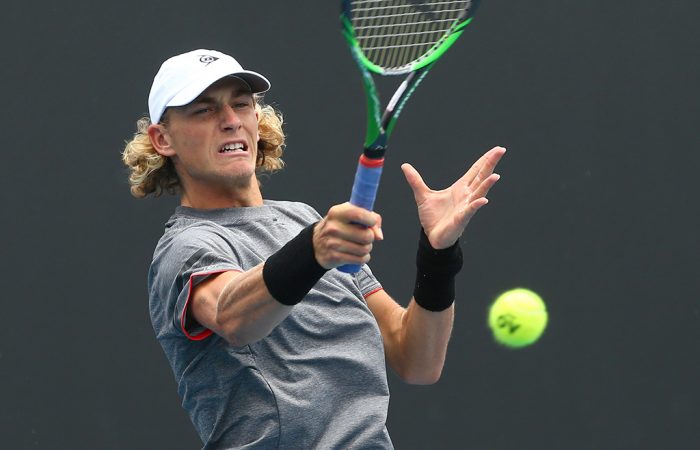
(364, 192)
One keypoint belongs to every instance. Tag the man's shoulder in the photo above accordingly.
(188, 234)
(293, 208)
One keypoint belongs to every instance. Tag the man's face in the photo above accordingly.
(214, 138)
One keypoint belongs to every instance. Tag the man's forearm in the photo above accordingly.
(246, 311)
(426, 335)
(427, 322)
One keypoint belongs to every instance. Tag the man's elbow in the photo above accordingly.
(235, 333)
(239, 339)
(233, 338)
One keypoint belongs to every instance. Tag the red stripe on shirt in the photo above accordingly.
(372, 292)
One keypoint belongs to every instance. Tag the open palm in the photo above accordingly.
(445, 214)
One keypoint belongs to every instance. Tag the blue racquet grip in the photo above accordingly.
(364, 192)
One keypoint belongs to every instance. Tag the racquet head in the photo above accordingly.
(393, 37)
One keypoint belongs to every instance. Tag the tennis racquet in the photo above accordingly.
(394, 37)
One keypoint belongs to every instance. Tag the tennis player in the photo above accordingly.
(272, 348)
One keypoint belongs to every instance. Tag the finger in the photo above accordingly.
(477, 199)
(484, 166)
(473, 170)
(492, 159)
(335, 259)
(415, 181)
(362, 233)
(377, 229)
(348, 213)
(342, 247)
(338, 224)
(465, 215)
(336, 251)
(483, 189)
(337, 243)
(354, 233)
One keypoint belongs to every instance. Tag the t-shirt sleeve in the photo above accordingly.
(189, 258)
(367, 282)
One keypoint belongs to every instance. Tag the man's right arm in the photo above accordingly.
(239, 307)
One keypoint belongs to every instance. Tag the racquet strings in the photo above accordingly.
(396, 33)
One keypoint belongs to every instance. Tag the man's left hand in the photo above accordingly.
(445, 214)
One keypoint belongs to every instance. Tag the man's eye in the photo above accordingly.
(201, 110)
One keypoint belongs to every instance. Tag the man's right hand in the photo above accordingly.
(345, 236)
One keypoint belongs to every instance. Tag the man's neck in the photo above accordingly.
(215, 198)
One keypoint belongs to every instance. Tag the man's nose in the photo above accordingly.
(229, 118)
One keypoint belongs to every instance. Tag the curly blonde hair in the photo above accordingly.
(152, 173)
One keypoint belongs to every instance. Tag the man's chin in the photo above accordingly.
(242, 179)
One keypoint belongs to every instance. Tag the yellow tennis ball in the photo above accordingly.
(518, 318)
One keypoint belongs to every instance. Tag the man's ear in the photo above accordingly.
(160, 139)
(257, 119)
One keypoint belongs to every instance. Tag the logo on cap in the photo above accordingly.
(207, 59)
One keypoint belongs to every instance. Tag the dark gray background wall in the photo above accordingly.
(597, 102)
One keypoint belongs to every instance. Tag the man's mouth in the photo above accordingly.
(232, 148)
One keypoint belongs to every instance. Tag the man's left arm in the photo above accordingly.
(416, 337)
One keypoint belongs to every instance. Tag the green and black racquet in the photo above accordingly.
(394, 37)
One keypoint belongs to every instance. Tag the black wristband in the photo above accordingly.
(292, 271)
(435, 277)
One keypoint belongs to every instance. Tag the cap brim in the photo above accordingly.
(255, 81)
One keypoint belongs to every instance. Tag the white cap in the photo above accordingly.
(183, 77)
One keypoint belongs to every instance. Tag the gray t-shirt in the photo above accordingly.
(318, 381)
